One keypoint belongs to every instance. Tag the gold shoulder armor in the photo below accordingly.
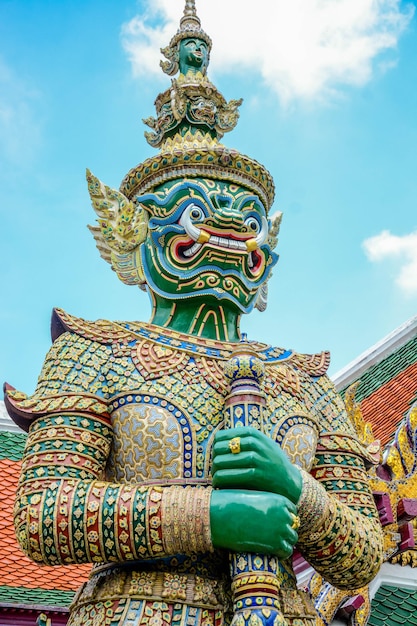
(72, 375)
(311, 364)
(102, 331)
(25, 409)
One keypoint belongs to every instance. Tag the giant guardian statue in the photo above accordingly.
(182, 460)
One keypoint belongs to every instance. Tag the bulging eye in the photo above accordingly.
(196, 213)
(252, 224)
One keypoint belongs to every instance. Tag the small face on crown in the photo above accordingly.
(193, 56)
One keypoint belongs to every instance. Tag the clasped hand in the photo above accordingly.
(256, 492)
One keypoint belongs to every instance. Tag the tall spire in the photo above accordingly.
(190, 28)
(192, 116)
(190, 15)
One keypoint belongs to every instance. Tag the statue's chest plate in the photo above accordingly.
(166, 416)
(154, 440)
(297, 434)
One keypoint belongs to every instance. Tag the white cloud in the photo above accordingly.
(385, 245)
(301, 48)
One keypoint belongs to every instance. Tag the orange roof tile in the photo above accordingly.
(16, 570)
(386, 406)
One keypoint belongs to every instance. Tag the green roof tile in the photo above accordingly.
(42, 597)
(12, 445)
(392, 606)
(388, 368)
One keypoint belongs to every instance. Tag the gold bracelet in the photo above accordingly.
(186, 520)
(313, 506)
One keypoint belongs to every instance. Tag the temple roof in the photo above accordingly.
(6, 424)
(392, 606)
(386, 378)
(387, 375)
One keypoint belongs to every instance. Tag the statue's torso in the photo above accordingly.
(165, 393)
(164, 424)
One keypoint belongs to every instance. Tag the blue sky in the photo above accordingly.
(330, 107)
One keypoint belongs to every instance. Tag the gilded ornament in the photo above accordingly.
(234, 445)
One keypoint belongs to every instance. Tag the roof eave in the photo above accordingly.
(377, 353)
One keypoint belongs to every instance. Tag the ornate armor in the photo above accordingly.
(124, 416)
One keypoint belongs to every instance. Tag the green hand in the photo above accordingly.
(252, 521)
(260, 465)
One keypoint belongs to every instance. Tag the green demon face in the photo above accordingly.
(206, 240)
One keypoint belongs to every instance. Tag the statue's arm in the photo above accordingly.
(339, 541)
(340, 533)
(66, 511)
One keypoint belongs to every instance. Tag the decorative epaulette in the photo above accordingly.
(312, 364)
(102, 331)
(59, 391)
(287, 371)
(25, 409)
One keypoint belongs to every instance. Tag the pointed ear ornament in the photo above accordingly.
(122, 229)
(275, 224)
(275, 221)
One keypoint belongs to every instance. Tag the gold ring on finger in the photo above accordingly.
(234, 445)
(295, 522)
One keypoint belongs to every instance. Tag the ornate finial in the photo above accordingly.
(190, 15)
(191, 118)
(190, 28)
(192, 112)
